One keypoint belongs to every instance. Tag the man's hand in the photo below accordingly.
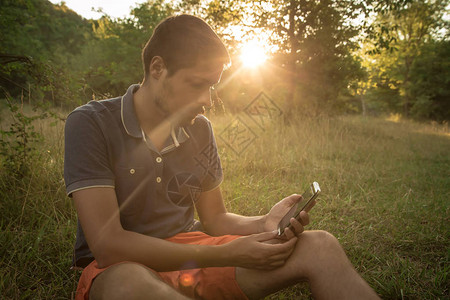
(280, 209)
(261, 251)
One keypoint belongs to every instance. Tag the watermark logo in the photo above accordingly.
(263, 110)
(184, 189)
(240, 133)
(208, 161)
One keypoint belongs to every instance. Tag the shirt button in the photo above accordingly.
(132, 171)
(158, 179)
(158, 159)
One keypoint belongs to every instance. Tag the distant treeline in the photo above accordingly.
(329, 58)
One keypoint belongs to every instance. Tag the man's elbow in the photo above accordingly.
(105, 258)
(212, 229)
(108, 251)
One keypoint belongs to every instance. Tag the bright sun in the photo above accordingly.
(252, 54)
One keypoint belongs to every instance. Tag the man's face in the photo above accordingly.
(183, 94)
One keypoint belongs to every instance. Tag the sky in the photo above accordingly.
(114, 8)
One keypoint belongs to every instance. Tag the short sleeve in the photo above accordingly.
(86, 159)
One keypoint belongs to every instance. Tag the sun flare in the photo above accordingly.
(253, 54)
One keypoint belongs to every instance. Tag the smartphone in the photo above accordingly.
(308, 196)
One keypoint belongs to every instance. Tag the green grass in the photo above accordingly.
(385, 196)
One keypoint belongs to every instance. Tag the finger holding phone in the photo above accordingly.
(293, 221)
(297, 225)
(278, 211)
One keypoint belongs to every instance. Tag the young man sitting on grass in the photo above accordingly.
(138, 165)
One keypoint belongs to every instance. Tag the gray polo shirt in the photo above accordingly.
(156, 190)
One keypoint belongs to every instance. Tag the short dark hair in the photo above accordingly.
(180, 41)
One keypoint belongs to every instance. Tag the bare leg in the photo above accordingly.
(319, 259)
(131, 281)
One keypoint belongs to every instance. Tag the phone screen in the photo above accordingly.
(308, 195)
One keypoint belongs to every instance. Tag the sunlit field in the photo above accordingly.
(385, 197)
(320, 91)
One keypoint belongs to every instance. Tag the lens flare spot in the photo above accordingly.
(186, 279)
(253, 54)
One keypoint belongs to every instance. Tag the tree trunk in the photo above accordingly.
(407, 86)
(363, 105)
(292, 61)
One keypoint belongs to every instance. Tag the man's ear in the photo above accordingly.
(157, 66)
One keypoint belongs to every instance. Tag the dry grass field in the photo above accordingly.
(385, 196)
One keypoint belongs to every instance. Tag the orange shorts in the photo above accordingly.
(205, 283)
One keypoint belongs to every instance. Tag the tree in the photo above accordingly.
(112, 59)
(430, 74)
(315, 39)
(44, 36)
(405, 31)
(221, 15)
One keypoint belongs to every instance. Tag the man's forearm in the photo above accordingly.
(158, 254)
(248, 252)
(229, 223)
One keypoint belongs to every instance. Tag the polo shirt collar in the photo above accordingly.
(131, 124)
(128, 114)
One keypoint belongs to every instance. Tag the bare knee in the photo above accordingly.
(317, 250)
(127, 281)
(324, 241)
(319, 242)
